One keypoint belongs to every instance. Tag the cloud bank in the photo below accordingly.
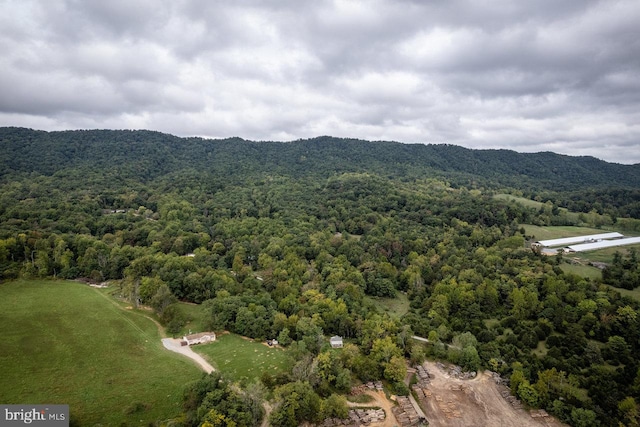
(528, 76)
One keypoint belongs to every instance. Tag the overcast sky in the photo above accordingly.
(544, 75)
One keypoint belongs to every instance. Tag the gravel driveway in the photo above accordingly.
(174, 345)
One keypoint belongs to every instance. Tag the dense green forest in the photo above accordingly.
(293, 240)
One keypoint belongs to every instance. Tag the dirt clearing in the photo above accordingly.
(453, 402)
(379, 401)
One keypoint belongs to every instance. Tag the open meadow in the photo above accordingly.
(520, 200)
(559, 231)
(582, 270)
(243, 359)
(196, 317)
(573, 217)
(66, 343)
(396, 307)
(635, 293)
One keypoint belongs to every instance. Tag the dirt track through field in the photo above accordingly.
(118, 309)
(453, 402)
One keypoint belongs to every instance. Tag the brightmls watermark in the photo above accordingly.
(36, 415)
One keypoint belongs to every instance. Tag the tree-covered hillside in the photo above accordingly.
(151, 154)
(297, 241)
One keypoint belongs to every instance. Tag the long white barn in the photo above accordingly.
(579, 239)
(604, 244)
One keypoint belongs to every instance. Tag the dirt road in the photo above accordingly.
(379, 401)
(174, 345)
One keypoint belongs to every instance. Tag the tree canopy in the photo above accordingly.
(298, 241)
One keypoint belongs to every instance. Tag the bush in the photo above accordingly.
(174, 318)
(175, 326)
(400, 389)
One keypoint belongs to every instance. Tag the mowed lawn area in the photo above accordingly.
(67, 343)
(243, 359)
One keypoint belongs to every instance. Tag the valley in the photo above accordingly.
(339, 250)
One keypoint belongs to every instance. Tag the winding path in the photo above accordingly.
(429, 342)
(174, 345)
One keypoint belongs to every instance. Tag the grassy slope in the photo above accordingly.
(63, 342)
(396, 307)
(196, 315)
(521, 200)
(541, 350)
(558, 232)
(635, 294)
(582, 270)
(241, 358)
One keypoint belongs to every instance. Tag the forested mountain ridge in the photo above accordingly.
(146, 154)
(298, 241)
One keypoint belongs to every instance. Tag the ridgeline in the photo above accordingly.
(146, 155)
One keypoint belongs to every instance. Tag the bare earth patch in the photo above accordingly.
(453, 402)
(379, 401)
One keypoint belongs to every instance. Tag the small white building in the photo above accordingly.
(201, 338)
(336, 341)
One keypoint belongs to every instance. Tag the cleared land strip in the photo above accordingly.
(174, 345)
(425, 340)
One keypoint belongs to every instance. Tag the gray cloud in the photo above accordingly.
(530, 76)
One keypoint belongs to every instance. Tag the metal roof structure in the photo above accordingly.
(604, 244)
(579, 239)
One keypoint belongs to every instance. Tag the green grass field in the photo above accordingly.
(635, 294)
(491, 323)
(66, 343)
(242, 359)
(541, 350)
(196, 315)
(521, 200)
(396, 307)
(574, 217)
(558, 232)
(582, 270)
